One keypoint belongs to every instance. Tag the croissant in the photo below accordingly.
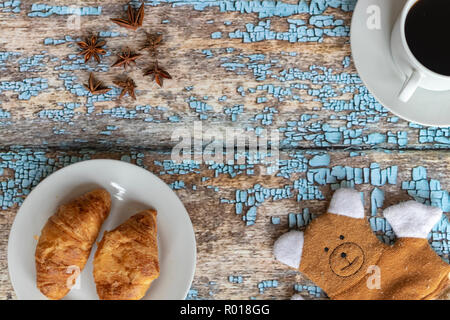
(126, 261)
(66, 241)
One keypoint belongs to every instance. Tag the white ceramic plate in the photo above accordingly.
(132, 189)
(372, 57)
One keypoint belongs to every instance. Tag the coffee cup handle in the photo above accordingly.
(410, 86)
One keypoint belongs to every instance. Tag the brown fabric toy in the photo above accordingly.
(340, 253)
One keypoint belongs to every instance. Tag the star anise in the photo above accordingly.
(127, 86)
(92, 48)
(152, 42)
(135, 18)
(126, 58)
(94, 86)
(158, 74)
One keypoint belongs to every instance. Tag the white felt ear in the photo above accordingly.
(347, 202)
(297, 297)
(412, 219)
(288, 248)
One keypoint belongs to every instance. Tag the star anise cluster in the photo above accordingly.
(92, 47)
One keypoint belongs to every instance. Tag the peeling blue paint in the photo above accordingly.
(10, 6)
(313, 291)
(44, 10)
(264, 8)
(265, 284)
(27, 88)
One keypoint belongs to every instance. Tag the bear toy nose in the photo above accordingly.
(343, 255)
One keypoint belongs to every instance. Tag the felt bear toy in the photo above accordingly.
(339, 252)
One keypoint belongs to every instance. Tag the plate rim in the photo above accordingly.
(355, 15)
(113, 162)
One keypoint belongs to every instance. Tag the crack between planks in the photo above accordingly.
(168, 149)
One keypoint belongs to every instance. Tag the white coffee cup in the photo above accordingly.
(416, 74)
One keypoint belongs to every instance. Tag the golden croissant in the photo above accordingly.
(66, 241)
(126, 261)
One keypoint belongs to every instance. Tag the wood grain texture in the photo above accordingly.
(226, 246)
(205, 69)
(186, 37)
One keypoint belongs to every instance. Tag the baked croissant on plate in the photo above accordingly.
(126, 261)
(66, 241)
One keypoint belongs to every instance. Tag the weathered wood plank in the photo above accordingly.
(226, 246)
(210, 68)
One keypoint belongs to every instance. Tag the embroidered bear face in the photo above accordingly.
(346, 259)
(338, 248)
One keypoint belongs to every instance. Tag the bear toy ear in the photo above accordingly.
(347, 202)
(412, 219)
(288, 248)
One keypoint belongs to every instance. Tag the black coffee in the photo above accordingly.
(427, 31)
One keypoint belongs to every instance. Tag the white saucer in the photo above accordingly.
(132, 189)
(372, 58)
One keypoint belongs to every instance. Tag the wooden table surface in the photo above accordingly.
(249, 65)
